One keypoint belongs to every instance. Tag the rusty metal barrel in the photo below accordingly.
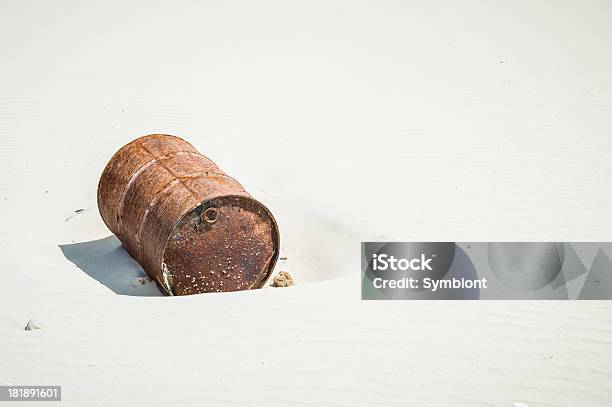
(193, 228)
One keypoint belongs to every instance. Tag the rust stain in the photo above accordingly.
(193, 228)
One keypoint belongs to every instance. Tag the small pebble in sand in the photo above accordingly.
(144, 280)
(32, 325)
(282, 279)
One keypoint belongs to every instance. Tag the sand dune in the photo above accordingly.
(350, 121)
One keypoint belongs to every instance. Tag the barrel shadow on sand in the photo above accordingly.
(106, 261)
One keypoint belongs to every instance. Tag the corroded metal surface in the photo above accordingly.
(191, 227)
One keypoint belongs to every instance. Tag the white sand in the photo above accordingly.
(351, 121)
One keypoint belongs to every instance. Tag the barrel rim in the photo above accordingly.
(276, 238)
